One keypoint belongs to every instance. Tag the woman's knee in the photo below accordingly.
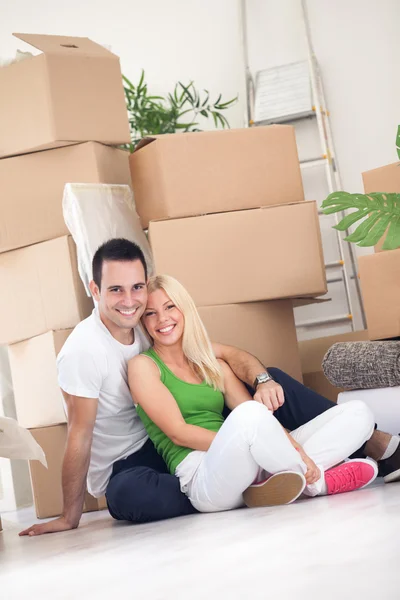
(251, 412)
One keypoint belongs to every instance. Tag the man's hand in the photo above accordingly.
(60, 524)
(270, 394)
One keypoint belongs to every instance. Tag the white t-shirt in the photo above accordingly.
(93, 364)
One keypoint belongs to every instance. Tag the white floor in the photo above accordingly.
(337, 548)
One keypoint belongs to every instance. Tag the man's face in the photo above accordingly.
(123, 294)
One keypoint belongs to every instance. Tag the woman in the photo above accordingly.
(179, 388)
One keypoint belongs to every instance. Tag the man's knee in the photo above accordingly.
(141, 495)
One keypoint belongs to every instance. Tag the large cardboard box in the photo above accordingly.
(268, 253)
(38, 398)
(41, 290)
(32, 186)
(71, 93)
(312, 353)
(215, 171)
(46, 483)
(265, 329)
(380, 286)
(384, 179)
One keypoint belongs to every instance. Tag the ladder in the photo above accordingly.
(319, 112)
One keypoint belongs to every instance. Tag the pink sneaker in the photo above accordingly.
(350, 476)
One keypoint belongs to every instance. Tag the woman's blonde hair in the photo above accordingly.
(196, 344)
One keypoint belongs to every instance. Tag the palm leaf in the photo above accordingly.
(377, 211)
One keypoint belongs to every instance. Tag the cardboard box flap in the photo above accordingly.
(145, 142)
(61, 44)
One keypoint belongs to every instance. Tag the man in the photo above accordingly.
(107, 446)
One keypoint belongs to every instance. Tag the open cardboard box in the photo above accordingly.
(70, 93)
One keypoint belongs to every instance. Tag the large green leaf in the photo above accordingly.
(376, 211)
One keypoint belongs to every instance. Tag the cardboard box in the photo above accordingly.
(265, 329)
(38, 398)
(380, 286)
(46, 483)
(268, 253)
(71, 93)
(384, 179)
(215, 171)
(312, 353)
(32, 186)
(40, 290)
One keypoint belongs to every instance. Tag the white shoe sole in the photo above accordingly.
(392, 477)
(281, 488)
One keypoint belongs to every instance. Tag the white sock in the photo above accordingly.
(392, 447)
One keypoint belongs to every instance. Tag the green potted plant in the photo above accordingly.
(379, 212)
(177, 111)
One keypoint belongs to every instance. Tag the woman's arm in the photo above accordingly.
(159, 404)
(235, 391)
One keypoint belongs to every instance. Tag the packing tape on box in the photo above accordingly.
(16, 442)
(95, 213)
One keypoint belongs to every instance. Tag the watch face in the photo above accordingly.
(263, 378)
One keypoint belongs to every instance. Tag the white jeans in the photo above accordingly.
(252, 438)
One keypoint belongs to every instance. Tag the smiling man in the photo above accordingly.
(107, 447)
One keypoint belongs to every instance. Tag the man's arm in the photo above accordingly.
(81, 419)
(246, 367)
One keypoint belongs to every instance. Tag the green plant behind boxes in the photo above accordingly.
(178, 111)
(379, 211)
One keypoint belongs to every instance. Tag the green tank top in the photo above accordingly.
(199, 404)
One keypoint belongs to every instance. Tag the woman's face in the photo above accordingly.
(162, 319)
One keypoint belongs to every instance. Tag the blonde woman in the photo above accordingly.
(179, 389)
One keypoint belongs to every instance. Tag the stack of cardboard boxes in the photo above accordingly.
(226, 216)
(380, 272)
(60, 112)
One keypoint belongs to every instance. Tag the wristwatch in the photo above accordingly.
(262, 378)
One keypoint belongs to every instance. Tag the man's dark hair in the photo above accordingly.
(116, 249)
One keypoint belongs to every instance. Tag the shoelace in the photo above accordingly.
(342, 478)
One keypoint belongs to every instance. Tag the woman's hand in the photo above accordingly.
(313, 473)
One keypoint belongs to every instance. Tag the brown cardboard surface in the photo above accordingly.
(46, 483)
(32, 186)
(242, 256)
(40, 290)
(38, 398)
(380, 286)
(384, 179)
(192, 174)
(265, 329)
(75, 94)
(312, 353)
